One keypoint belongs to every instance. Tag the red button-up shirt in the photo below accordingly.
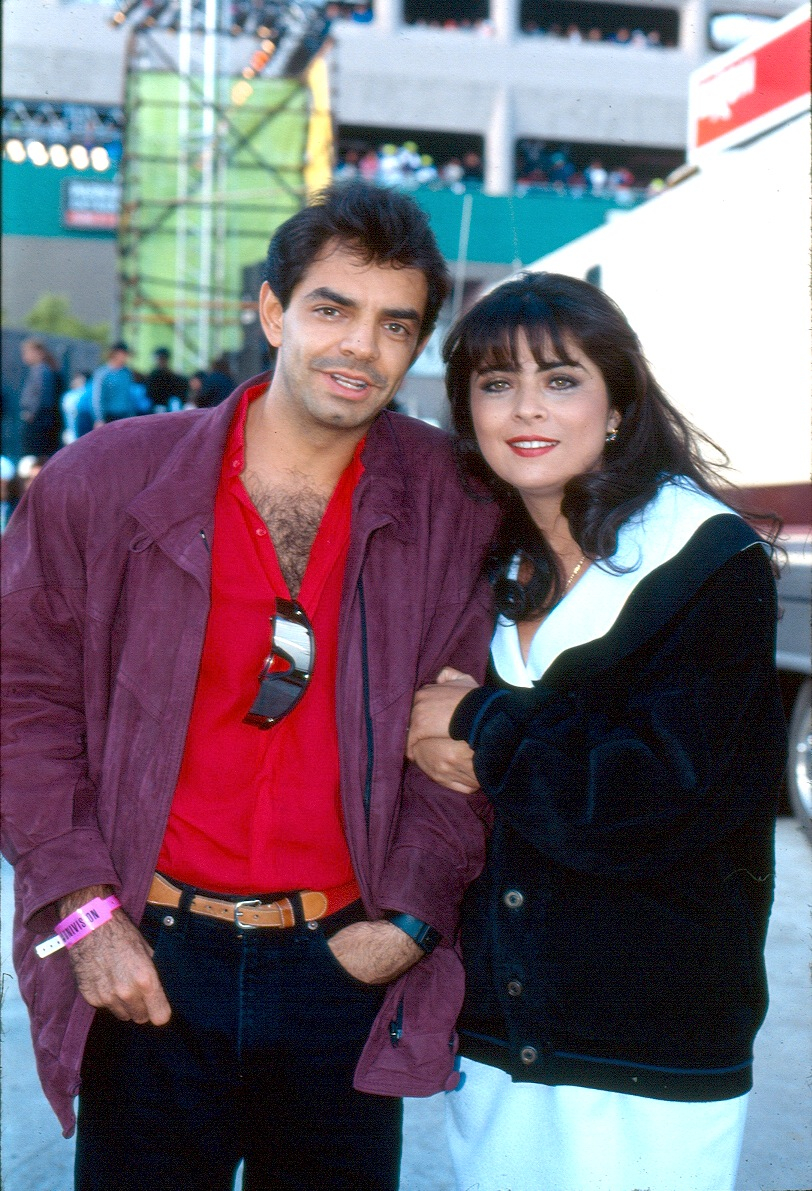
(260, 811)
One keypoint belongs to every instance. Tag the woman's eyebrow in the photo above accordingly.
(486, 369)
(511, 366)
(546, 365)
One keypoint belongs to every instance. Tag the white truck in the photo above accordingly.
(713, 274)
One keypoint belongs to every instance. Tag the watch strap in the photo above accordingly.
(424, 935)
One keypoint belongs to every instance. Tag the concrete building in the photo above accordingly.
(485, 79)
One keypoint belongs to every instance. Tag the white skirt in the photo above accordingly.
(506, 1136)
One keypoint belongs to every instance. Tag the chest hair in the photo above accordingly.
(292, 516)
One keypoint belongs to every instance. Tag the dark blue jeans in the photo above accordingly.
(256, 1064)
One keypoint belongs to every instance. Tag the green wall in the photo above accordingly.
(504, 230)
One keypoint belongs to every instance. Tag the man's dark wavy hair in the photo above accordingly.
(654, 440)
(380, 225)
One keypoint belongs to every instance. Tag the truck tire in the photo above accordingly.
(799, 763)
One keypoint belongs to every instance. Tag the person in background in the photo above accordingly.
(630, 740)
(113, 386)
(8, 495)
(71, 401)
(218, 383)
(196, 388)
(208, 678)
(166, 390)
(41, 426)
(28, 468)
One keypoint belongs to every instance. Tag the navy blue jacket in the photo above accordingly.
(615, 939)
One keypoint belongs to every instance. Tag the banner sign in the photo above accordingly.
(90, 204)
(750, 89)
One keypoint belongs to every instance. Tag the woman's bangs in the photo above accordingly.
(491, 341)
(550, 343)
(492, 337)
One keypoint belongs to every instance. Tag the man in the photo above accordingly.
(39, 400)
(166, 390)
(113, 387)
(216, 384)
(287, 949)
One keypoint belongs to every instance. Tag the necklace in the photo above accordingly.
(576, 570)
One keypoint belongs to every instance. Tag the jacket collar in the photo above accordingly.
(384, 491)
(177, 505)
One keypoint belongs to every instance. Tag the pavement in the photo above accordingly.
(777, 1154)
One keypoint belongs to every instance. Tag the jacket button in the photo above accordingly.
(514, 988)
(528, 1055)
(513, 899)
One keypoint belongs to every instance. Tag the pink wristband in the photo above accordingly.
(79, 924)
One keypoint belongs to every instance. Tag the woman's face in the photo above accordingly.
(538, 427)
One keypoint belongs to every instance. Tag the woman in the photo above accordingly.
(629, 740)
(41, 428)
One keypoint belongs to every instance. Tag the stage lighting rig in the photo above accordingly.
(296, 29)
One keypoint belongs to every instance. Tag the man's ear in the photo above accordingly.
(271, 315)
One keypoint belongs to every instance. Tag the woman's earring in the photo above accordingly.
(611, 434)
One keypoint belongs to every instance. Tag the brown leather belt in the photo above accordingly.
(246, 914)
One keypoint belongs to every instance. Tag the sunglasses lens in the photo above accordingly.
(280, 690)
(278, 694)
(293, 640)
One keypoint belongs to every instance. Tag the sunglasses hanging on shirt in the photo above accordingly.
(292, 641)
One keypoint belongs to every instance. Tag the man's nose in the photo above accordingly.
(361, 340)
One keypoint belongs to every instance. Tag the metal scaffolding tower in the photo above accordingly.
(221, 97)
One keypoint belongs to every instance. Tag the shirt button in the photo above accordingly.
(513, 899)
(261, 533)
(237, 463)
(528, 1055)
(514, 988)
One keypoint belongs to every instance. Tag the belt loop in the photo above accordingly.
(187, 894)
(181, 915)
(298, 910)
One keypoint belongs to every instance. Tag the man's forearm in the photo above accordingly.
(80, 897)
(375, 952)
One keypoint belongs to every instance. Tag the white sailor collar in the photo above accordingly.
(652, 536)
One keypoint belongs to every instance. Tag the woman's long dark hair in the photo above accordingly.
(654, 440)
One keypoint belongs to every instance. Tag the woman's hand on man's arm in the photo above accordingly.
(447, 762)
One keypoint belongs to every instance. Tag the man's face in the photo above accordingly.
(118, 359)
(345, 341)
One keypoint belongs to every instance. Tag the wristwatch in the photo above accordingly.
(424, 935)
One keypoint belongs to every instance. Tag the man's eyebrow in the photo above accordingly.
(326, 294)
(323, 293)
(404, 314)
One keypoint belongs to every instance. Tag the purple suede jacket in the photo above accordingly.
(106, 583)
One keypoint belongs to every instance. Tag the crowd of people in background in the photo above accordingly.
(362, 14)
(405, 165)
(538, 167)
(623, 36)
(53, 415)
(637, 38)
